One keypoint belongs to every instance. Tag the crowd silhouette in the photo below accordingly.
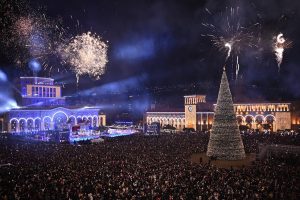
(143, 167)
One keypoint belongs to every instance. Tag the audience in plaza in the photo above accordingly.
(143, 167)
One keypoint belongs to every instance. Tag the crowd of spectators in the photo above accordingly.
(143, 167)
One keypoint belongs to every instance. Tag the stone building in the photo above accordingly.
(44, 108)
(198, 114)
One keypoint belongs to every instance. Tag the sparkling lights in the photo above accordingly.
(225, 142)
(87, 54)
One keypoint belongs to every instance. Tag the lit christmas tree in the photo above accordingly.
(225, 142)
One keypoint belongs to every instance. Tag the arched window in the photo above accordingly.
(37, 124)
(30, 126)
(13, 125)
(240, 119)
(249, 119)
(60, 120)
(22, 125)
(79, 119)
(47, 122)
(270, 119)
(72, 120)
(259, 119)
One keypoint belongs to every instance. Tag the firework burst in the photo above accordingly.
(231, 37)
(38, 37)
(27, 33)
(280, 43)
(87, 54)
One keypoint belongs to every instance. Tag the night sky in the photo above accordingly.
(158, 43)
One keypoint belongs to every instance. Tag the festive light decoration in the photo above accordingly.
(225, 142)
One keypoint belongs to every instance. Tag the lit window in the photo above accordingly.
(32, 91)
(40, 92)
(47, 92)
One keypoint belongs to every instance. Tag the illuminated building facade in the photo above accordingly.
(43, 108)
(40, 91)
(198, 114)
(1, 123)
(295, 108)
(276, 115)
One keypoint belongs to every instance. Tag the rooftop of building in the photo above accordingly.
(209, 106)
(36, 77)
(161, 109)
(259, 103)
(54, 107)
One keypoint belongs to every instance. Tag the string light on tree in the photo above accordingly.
(225, 142)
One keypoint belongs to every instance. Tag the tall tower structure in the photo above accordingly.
(190, 109)
(225, 142)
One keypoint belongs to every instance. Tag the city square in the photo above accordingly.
(138, 99)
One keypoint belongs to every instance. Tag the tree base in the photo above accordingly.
(204, 159)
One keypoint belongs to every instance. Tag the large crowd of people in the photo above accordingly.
(143, 167)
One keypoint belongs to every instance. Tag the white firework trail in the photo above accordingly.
(237, 68)
(228, 45)
(230, 35)
(279, 46)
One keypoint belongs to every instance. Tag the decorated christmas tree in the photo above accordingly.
(225, 142)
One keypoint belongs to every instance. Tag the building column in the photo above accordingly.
(104, 120)
(42, 127)
(207, 121)
(201, 122)
(26, 127)
(97, 121)
(33, 125)
(9, 127)
(17, 127)
(51, 125)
